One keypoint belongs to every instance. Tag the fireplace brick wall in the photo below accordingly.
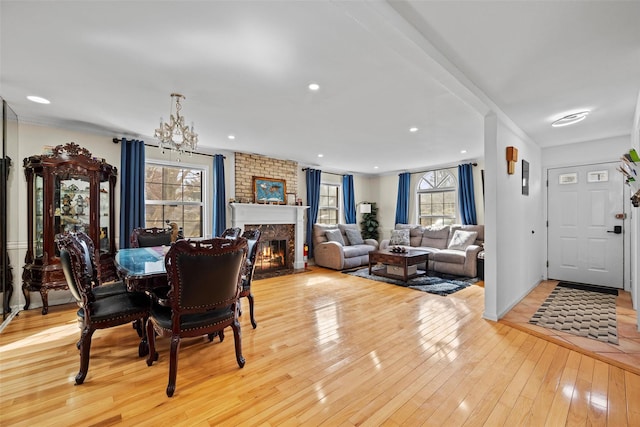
(249, 165)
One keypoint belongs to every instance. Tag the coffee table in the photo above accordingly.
(402, 260)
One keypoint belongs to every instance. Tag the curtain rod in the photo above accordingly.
(440, 169)
(117, 141)
(330, 173)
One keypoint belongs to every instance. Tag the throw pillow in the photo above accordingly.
(354, 236)
(334, 236)
(462, 239)
(399, 237)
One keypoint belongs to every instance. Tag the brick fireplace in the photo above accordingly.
(281, 238)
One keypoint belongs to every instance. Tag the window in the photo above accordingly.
(174, 194)
(437, 198)
(329, 206)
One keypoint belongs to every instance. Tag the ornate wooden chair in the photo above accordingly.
(148, 237)
(99, 290)
(253, 237)
(94, 313)
(204, 278)
(231, 233)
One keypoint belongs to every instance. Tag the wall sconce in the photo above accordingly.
(512, 158)
(365, 207)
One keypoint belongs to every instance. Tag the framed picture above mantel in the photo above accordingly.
(270, 190)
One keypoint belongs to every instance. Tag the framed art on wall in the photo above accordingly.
(269, 190)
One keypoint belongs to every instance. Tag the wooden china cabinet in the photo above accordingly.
(68, 190)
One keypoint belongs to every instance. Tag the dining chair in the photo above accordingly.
(204, 279)
(148, 237)
(231, 233)
(104, 289)
(253, 237)
(94, 313)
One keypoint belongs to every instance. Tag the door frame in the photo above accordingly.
(626, 229)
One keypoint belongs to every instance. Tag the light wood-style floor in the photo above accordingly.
(625, 354)
(330, 349)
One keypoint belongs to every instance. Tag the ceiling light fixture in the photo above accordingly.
(314, 86)
(463, 151)
(38, 99)
(175, 135)
(320, 155)
(570, 119)
(232, 137)
(413, 129)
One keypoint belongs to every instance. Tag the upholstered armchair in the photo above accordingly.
(205, 284)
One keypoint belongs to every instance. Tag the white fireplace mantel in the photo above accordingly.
(258, 214)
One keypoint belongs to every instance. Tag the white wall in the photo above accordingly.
(514, 224)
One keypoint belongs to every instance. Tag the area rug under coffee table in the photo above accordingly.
(433, 283)
(585, 313)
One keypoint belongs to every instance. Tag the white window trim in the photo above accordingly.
(206, 206)
(340, 215)
(454, 172)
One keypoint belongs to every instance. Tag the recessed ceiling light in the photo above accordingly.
(320, 155)
(231, 136)
(314, 86)
(463, 151)
(413, 129)
(375, 167)
(570, 119)
(38, 99)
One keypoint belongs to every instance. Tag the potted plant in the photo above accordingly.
(370, 223)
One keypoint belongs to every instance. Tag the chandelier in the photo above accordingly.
(175, 135)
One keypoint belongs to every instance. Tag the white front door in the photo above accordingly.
(586, 224)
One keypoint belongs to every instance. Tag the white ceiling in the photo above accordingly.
(109, 66)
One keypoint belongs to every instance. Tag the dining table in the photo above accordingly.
(142, 268)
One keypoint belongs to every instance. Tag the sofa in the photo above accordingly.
(341, 246)
(453, 248)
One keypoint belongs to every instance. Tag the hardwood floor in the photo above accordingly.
(625, 354)
(330, 349)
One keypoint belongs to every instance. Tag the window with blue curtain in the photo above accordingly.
(402, 204)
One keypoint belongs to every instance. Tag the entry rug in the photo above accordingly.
(579, 312)
(434, 283)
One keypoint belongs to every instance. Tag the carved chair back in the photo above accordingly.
(148, 237)
(253, 237)
(231, 233)
(204, 275)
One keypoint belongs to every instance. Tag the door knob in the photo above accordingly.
(617, 229)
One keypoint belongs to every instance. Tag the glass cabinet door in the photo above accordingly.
(72, 205)
(38, 218)
(105, 208)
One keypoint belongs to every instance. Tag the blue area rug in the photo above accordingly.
(433, 283)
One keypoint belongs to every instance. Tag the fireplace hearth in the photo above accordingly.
(275, 250)
(276, 222)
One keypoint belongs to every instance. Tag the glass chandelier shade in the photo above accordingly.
(175, 135)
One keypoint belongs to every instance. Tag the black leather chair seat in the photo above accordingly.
(109, 289)
(162, 316)
(117, 306)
